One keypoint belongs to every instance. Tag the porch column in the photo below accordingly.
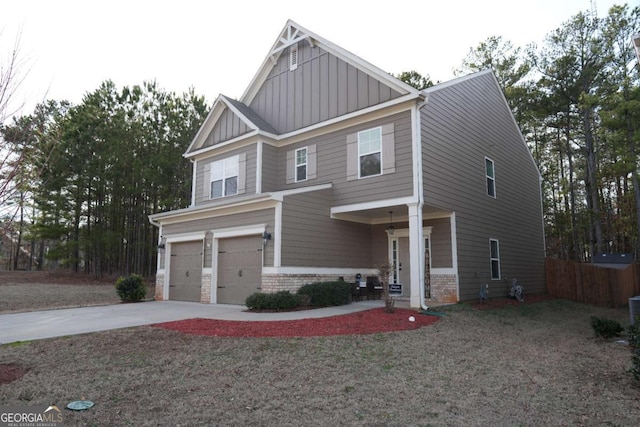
(416, 253)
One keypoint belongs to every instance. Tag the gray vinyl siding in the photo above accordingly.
(331, 163)
(310, 238)
(263, 216)
(227, 127)
(441, 248)
(250, 176)
(322, 87)
(269, 168)
(461, 124)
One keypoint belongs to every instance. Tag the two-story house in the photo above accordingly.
(327, 167)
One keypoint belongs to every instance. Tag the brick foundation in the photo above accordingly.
(292, 282)
(205, 288)
(159, 291)
(443, 288)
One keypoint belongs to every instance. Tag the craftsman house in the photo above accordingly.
(327, 167)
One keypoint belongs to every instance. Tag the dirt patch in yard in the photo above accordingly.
(9, 372)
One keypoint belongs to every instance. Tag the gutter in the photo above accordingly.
(422, 101)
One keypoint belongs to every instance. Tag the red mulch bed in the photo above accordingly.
(364, 322)
(494, 303)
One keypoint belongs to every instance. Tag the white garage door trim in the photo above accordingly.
(225, 233)
(175, 238)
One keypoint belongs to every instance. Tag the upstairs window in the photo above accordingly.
(491, 177)
(495, 259)
(301, 164)
(224, 177)
(370, 152)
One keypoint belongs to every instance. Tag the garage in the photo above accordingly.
(185, 271)
(239, 268)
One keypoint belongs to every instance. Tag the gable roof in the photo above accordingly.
(293, 33)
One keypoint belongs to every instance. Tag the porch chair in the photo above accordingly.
(374, 287)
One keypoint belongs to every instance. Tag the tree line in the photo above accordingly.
(79, 181)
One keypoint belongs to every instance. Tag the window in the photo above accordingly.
(495, 259)
(370, 152)
(491, 177)
(301, 164)
(224, 177)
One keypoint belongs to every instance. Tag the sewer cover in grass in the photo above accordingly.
(80, 405)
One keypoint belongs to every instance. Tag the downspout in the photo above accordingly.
(422, 101)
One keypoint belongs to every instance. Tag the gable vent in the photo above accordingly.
(293, 57)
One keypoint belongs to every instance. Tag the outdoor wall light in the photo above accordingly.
(391, 229)
(266, 237)
(161, 247)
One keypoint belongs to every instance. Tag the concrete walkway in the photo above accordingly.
(72, 321)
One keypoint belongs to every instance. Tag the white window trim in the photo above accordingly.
(224, 177)
(492, 259)
(305, 164)
(360, 154)
(493, 178)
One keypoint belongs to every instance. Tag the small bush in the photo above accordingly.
(323, 294)
(283, 300)
(634, 344)
(605, 328)
(131, 288)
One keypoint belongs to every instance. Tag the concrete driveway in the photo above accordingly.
(55, 323)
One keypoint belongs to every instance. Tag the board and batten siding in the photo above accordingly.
(202, 175)
(310, 238)
(322, 87)
(228, 126)
(331, 164)
(461, 125)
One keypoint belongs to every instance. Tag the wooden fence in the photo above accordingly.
(607, 287)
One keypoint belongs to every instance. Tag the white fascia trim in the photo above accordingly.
(353, 115)
(248, 230)
(371, 205)
(208, 124)
(317, 270)
(280, 195)
(185, 237)
(455, 81)
(171, 217)
(247, 138)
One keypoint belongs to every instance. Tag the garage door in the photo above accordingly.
(185, 271)
(239, 268)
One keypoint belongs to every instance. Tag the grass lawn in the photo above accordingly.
(528, 365)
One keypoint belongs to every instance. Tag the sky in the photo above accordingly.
(68, 48)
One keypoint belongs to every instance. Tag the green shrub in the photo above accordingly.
(283, 300)
(634, 344)
(605, 328)
(323, 294)
(131, 288)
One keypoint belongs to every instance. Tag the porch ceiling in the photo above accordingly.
(381, 215)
